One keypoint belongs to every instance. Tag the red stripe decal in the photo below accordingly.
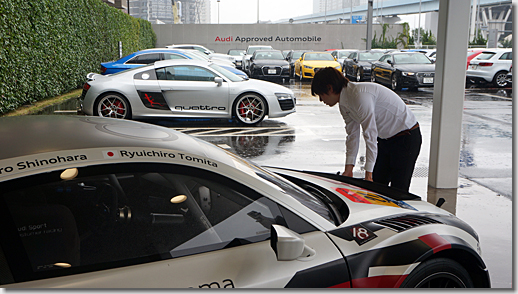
(436, 242)
(388, 281)
(352, 196)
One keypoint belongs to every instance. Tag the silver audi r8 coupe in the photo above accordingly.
(184, 89)
(93, 202)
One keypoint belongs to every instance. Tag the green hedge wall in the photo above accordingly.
(48, 46)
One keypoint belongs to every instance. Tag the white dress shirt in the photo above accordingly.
(379, 111)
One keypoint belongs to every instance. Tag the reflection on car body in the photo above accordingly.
(110, 203)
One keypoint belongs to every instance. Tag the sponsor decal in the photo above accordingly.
(226, 283)
(164, 154)
(110, 154)
(41, 162)
(268, 39)
(360, 234)
(368, 197)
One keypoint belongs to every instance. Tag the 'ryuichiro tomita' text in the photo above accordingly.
(36, 163)
(162, 154)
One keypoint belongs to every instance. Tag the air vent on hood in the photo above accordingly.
(402, 223)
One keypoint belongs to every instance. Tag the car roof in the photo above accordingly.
(170, 62)
(34, 134)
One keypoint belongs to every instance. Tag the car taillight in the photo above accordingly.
(103, 69)
(86, 86)
(485, 64)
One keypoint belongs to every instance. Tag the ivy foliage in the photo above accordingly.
(48, 46)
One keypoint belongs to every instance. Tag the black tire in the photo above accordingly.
(438, 273)
(301, 75)
(250, 109)
(373, 77)
(113, 105)
(500, 79)
(394, 83)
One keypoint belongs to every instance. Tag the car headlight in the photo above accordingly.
(407, 73)
(308, 67)
(337, 67)
(283, 96)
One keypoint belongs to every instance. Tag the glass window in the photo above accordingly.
(145, 58)
(485, 55)
(168, 56)
(185, 73)
(117, 215)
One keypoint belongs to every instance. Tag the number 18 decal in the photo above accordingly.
(361, 234)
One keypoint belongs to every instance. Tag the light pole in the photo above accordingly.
(218, 11)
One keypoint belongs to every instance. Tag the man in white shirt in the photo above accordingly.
(390, 129)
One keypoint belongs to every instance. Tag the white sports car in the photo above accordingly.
(91, 202)
(184, 89)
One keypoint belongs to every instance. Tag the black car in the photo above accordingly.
(404, 70)
(293, 56)
(358, 66)
(269, 65)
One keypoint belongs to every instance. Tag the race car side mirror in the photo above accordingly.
(218, 81)
(289, 245)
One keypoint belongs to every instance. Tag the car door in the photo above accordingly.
(384, 69)
(156, 225)
(191, 91)
(350, 66)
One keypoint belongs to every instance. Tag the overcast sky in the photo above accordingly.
(245, 11)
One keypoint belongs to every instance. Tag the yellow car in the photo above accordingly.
(309, 61)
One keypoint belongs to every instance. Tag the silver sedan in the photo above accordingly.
(184, 89)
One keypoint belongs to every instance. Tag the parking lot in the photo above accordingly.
(313, 139)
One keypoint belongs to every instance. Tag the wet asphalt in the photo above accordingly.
(313, 138)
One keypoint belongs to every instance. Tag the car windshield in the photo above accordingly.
(485, 55)
(318, 56)
(413, 58)
(253, 49)
(343, 54)
(370, 56)
(229, 75)
(275, 55)
(297, 54)
(236, 52)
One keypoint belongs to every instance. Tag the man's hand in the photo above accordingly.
(368, 176)
(348, 172)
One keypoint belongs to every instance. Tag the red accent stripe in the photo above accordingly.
(436, 242)
(352, 196)
(388, 281)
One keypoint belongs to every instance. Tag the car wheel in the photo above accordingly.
(358, 75)
(438, 273)
(395, 83)
(301, 76)
(500, 79)
(113, 105)
(250, 109)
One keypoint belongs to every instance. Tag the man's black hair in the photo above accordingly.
(325, 77)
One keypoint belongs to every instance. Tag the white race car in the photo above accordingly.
(91, 202)
(184, 88)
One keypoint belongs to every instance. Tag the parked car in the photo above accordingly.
(184, 89)
(491, 66)
(149, 56)
(509, 77)
(310, 62)
(358, 66)
(342, 55)
(403, 70)
(203, 49)
(249, 52)
(292, 57)
(472, 53)
(269, 65)
(107, 203)
(238, 55)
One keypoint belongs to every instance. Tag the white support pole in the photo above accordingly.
(448, 95)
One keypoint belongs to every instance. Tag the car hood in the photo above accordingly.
(416, 67)
(365, 63)
(320, 63)
(265, 88)
(263, 62)
(365, 200)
